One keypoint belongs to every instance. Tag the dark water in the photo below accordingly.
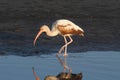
(94, 66)
(55, 8)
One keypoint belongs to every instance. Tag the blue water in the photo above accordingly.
(94, 66)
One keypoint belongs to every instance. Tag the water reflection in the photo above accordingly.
(94, 66)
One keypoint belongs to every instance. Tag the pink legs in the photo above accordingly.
(64, 48)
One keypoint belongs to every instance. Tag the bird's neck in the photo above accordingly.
(52, 32)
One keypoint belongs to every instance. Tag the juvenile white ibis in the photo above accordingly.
(65, 28)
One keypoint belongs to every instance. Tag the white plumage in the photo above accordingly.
(65, 28)
(69, 25)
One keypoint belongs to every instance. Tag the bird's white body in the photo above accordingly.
(65, 28)
(67, 25)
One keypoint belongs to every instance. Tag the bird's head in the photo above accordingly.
(44, 28)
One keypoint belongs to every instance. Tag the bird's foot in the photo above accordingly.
(65, 55)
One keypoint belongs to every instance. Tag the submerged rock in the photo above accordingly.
(65, 76)
(51, 78)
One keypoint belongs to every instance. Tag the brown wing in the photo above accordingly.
(68, 29)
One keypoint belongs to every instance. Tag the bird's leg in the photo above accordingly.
(65, 51)
(60, 51)
(66, 44)
(63, 63)
(65, 55)
(63, 48)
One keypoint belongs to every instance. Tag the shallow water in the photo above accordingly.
(94, 66)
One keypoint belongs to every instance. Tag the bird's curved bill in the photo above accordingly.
(37, 37)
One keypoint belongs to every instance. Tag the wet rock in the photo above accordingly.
(51, 78)
(72, 76)
(65, 76)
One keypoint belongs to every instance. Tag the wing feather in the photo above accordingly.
(66, 27)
